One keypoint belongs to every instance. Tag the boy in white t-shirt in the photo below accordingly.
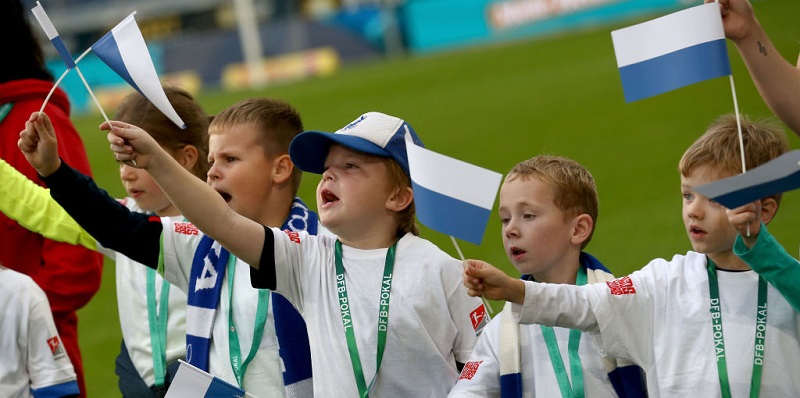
(386, 311)
(34, 363)
(548, 211)
(702, 324)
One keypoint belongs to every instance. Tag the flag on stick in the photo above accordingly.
(778, 175)
(671, 52)
(451, 196)
(190, 381)
(123, 49)
(52, 34)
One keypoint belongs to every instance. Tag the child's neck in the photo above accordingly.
(728, 261)
(564, 275)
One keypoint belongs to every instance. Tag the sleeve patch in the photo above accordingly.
(55, 347)
(470, 368)
(186, 228)
(293, 236)
(478, 318)
(621, 286)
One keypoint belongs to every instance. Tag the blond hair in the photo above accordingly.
(718, 148)
(573, 186)
(399, 179)
(277, 121)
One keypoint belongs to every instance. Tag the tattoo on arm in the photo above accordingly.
(762, 49)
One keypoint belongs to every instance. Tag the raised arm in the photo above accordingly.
(31, 206)
(111, 223)
(777, 80)
(197, 201)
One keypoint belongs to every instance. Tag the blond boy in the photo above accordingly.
(548, 211)
(247, 337)
(670, 316)
(386, 311)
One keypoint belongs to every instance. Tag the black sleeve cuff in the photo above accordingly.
(264, 277)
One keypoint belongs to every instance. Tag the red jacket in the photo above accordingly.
(69, 275)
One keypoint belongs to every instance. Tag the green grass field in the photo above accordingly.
(495, 106)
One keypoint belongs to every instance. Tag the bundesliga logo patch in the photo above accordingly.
(55, 347)
(470, 368)
(621, 286)
(186, 228)
(479, 318)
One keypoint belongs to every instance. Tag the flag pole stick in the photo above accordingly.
(461, 255)
(739, 127)
(63, 75)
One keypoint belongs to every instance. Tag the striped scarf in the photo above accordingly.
(205, 288)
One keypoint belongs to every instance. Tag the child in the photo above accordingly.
(548, 208)
(34, 361)
(242, 335)
(345, 285)
(776, 79)
(151, 348)
(669, 317)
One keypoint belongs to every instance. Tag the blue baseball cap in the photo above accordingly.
(373, 133)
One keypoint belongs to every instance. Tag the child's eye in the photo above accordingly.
(529, 216)
(350, 166)
(230, 159)
(210, 163)
(688, 196)
(505, 220)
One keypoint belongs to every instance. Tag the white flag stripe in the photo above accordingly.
(657, 37)
(44, 20)
(189, 382)
(202, 316)
(451, 177)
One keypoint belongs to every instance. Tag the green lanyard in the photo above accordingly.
(347, 322)
(5, 109)
(567, 390)
(239, 367)
(719, 342)
(157, 320)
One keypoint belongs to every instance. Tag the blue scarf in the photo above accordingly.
(205, 288)
(626, 378)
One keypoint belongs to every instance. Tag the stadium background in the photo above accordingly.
(487, 92)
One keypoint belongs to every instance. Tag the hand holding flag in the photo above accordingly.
(190, 381)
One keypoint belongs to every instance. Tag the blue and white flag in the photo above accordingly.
(778, 175)
(451, 196)
(192, 382)
(52, 34)
(123, 49)
(671, 52)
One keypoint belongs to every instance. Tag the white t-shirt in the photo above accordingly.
(132, 304)
(32, 355)
(264, 376)
(538, 376)
(659, 318)
(429, 324)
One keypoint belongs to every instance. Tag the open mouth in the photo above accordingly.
(328, 197)
(225, 196)
(515, 251)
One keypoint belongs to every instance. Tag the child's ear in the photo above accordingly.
(400, 199)
(282, 169)
(582, 228)
(187, 156)
(769, 206)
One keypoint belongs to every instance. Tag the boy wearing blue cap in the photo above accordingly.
(376, 296)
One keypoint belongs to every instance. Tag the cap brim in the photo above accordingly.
(310, 148)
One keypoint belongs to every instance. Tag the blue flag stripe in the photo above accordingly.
(107, 50)
(221, 389)
(63, 52)
(511, 385)
(675, 70)
(449, 215)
